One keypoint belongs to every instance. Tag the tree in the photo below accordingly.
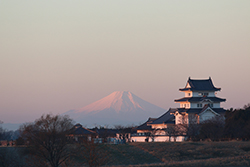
(193, 127)
(212, 128)
(1, 131)
(238, 123)
(93, 154)
(173, 131)
(152, 134)
(47, 140)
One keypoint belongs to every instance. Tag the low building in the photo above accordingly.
(78, 133)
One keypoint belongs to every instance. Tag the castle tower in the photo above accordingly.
(200, 100)
(199, 93)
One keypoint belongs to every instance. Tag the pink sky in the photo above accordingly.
(61, 55)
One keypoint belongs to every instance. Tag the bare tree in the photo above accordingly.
(193, 127)
(1, 131)
(247, 106)
(46, 138)
(212, 128)
(93, 154)
(173, 131)
(154, 133)
(189, 126)
(151, 134)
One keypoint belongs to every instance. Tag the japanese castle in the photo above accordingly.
(199, 104)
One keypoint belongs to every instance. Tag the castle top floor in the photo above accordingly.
(199, 93)
(203, 86)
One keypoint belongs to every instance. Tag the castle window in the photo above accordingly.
(203, 94)
(199, 105)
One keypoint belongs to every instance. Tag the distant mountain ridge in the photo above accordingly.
(120, 107)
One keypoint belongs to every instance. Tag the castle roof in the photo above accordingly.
(198, 111)
(200, 85)
(146, 126)
(199, 99)
(166, 118)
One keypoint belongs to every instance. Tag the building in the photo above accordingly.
(79, 134)
(200, 103)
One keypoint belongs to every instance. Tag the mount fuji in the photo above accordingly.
(118, 108)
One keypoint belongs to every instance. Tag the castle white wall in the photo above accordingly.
(206, 115)
(188, 94)
(198, 94)
(216, 105)
(185, 105)
(211, 94)
(159, 126)
(157, 139)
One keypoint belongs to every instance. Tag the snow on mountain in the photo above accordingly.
(120, 107)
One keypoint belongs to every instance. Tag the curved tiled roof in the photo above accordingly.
(198, 111)
(200, 85)
(167, 117)
(145, 125)
(198, 99)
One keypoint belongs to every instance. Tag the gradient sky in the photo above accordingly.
(58, 55)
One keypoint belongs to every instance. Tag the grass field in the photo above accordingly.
(169, 154)
(235, 153)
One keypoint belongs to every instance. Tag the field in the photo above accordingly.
(235, 153)
(185, 154)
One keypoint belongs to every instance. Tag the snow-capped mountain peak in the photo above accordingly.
(118, 107)
(119, 101)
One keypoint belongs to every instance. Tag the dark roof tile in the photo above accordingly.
(167, 117)
(145, 125)
(79, 130)
(198, 99)
(200, 85)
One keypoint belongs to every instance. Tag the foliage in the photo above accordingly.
(212, 129)
(47, 139)
(237, 124)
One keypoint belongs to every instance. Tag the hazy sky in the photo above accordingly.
(58, 55)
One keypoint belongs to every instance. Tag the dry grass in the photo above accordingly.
(198, 153)
(185, 154)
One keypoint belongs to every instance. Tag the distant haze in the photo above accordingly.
(60, 55)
